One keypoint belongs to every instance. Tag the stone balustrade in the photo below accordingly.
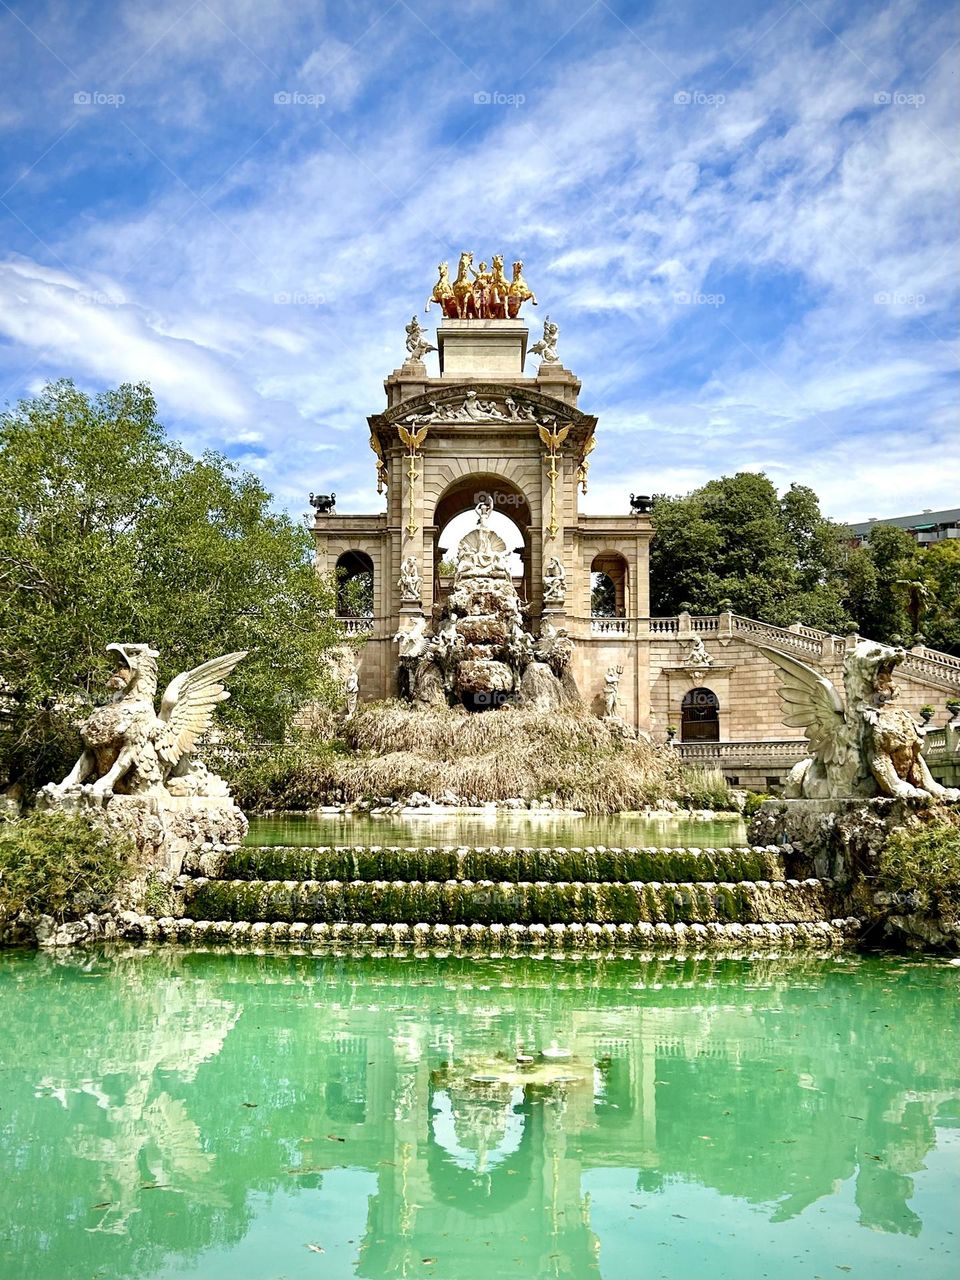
(781, 750)
(356, 626)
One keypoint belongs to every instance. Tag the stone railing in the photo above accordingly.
(664, 626)
(779, 749)
(930, 665)
(356, 626)
(603, 626)
(934, 741)
(783, 637)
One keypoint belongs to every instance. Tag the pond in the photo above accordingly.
(168, 1113)
(502, 827)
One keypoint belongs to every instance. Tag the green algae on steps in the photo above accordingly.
(601, 865)
(489, 902)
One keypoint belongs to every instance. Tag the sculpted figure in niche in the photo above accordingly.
(351, 693)
(410, 582)
(611, 692)
(554, 581)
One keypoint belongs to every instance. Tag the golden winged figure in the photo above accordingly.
(413, 439)
(554, 439)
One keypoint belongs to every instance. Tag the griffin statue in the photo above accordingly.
(869, 746)
(130, 750)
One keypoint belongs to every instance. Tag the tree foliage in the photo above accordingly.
(736, 542)
(110, 531)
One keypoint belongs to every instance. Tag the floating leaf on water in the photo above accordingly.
(333, 1137)
(248, 1104)
(316, 1248)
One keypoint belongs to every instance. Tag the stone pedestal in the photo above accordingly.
(482, 348)
(166, 830)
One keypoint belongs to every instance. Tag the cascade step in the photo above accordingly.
(486, 902)
(599, 865)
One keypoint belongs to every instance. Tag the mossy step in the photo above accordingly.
(633, 939)
(599, 865)
(486, 902)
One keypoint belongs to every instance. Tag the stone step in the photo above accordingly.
(600, 865)
(635, 939)
(486, 902)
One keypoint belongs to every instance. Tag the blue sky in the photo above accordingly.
(741, 215)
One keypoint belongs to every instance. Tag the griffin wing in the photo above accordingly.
(188, 703)
(545, 436)
(405, 436)
(420, 436)
(811, 703)
(563, 433)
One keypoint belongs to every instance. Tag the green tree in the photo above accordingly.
(940, 566)
(110, 531)
(777, 559)
(878, 594)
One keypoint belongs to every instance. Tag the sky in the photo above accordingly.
(742, 216)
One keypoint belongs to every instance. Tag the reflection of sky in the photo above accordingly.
(444, 1125)
(687, 1230)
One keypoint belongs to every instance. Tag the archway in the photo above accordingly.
(354, 574)
(609, 585)
(700, 716)
(511, 519)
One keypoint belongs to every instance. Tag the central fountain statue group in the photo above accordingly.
(488, 296)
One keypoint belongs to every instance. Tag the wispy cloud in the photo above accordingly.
(744, 228)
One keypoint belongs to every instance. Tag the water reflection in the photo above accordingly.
(168, 1108)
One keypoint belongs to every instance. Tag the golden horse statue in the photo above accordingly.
(519, 293)
(463, 289)
(443, 292)
(499, 290)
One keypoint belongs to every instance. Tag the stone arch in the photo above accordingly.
(508, 498)
(700, 716)
(609, 585)
(354, 577)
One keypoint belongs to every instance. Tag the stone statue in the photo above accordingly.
(130, 750)
(351, 693)
(323, 503)
(546, 348)
(410, 582)
(417, 344)
(554, 581)
(867, 747)
(611, 690)
(698, 654)
(412, 640)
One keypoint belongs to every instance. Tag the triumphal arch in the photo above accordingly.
(490, 434)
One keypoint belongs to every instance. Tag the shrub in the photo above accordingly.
(60, 865)
(751, 806)
(923, 860)
(706, 789)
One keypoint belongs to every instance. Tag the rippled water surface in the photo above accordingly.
(497, 827)
(173, 1113)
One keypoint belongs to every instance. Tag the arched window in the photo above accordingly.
(700, 716)
(354, 585)
(609, 577)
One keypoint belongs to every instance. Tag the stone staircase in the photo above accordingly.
(498, 899)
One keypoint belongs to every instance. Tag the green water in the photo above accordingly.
(173, 1113)
(520, 829)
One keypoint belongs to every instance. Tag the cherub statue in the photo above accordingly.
(866, 747)
(130, 750)
(417, 344)
(546, 348)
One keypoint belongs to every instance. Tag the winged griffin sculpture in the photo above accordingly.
(130, 750)
(865, 747)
